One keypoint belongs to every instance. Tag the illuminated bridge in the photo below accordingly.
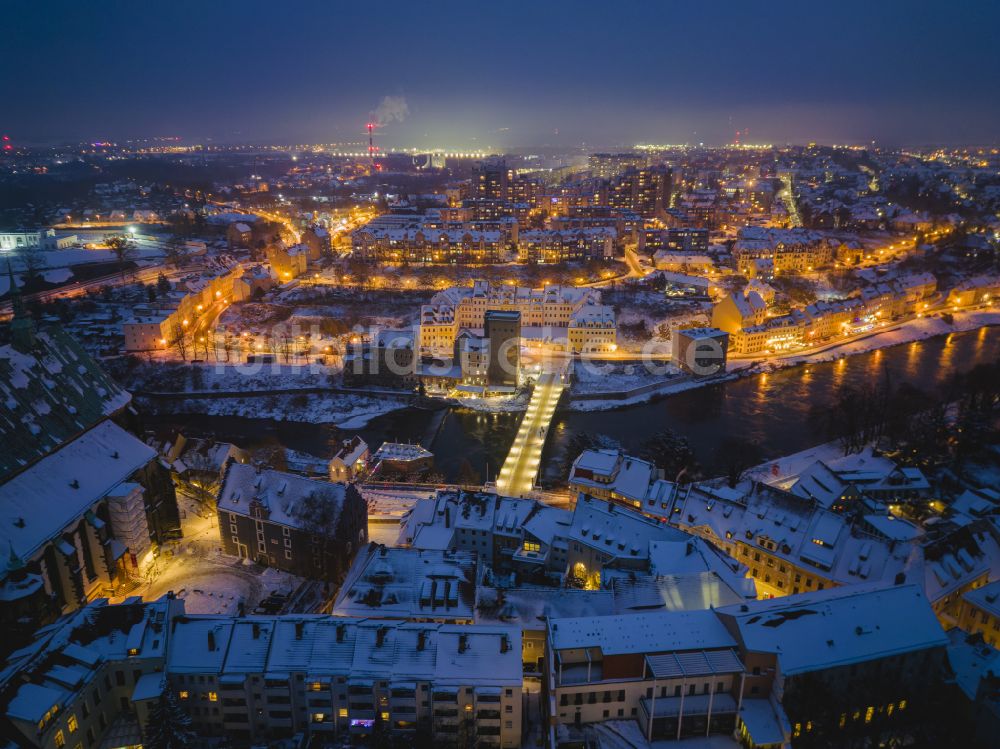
(517, 477)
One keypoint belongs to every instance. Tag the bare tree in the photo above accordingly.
(174, 252)
(227, 344)
(32, 261)
(123, 247)
(285, 346)
(179, 340)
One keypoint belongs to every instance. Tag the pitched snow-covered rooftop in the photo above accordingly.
(280, 493)
(48, 396)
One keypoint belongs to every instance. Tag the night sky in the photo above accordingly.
(480, 74)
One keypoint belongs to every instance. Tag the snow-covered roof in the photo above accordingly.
(48, 396)
(971, 659)
(65, 484)
(658, 632)
(838, 626)
(324, 646)
(280, 494)
(401, 451)
(409, 584)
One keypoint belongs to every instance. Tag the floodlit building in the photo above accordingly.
(571, 318)
(350, 460)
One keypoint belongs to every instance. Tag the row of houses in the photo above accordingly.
(839, 523)
(745, 316)
(157, 325)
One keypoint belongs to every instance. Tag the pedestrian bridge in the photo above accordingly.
(517, 476)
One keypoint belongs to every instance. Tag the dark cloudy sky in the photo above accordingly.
(503, 73)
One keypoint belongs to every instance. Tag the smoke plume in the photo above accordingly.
(391, 109)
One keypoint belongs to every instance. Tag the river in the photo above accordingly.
(770, 411)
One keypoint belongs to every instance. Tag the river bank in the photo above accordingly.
(772, 411)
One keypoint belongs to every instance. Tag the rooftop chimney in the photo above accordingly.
(463, 643)
(421, 640)
(504, 644)
(380, 637)
(340, 632)
(299, 629)
(211, 640)
(256, 631)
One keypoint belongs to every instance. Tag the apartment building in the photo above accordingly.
(157, 325)
(593, 329)
(264, 678)
(83, 678)
(678, 674)
(548, 246)
(308, 527)
(839, 664)
(547, 313)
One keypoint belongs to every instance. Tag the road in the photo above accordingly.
(788, 198)
(517, 477)
(81, 288)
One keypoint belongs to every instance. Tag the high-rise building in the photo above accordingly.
(492, 179)
(608, 165)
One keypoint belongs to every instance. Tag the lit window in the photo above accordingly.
(468, 708)
(183, 694)
(318, 717)
(342, 712)
(316, 686)
(532, 546)
(385, 717)
(60, 739)
(213, 697)
(869, 714)
(71, 724)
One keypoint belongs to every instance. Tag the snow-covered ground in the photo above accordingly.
(609, 378)
(209, 581)
(226, 378)
(669, 388)
(347, 411)
(497, 405)
(392, 503)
